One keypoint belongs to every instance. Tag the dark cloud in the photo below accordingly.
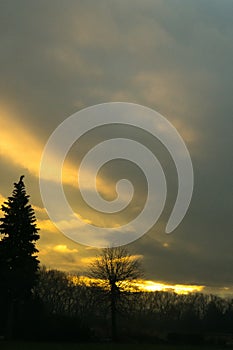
(176, 57)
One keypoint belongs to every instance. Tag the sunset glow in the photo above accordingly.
(142, 285)
(18, 144)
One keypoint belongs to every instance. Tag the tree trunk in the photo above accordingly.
(10, 320)
(113, 313)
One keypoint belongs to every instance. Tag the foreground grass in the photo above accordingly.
(108, 346)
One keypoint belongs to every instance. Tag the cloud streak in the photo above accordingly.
(175, 57)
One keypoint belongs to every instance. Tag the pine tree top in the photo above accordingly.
(19, 219)
(18, 262)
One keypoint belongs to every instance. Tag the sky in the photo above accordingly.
(174, 56)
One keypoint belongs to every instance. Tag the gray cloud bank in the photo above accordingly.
(173, 56)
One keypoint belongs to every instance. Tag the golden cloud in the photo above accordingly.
(46, 225)
(62, 248)
(2, 199)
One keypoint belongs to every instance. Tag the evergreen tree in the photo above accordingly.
(18, 262)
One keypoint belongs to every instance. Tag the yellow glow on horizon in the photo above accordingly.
(142, 285)
(151, 286)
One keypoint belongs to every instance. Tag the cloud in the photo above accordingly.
(2, 199)
(60, 248)
(18, 144)
(46, 225)
(151, 286)
(175, 57)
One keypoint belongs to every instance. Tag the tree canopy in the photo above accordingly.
(18, 260)
(116, 267)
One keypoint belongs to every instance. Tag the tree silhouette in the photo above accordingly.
(116, 267)
(18, 262)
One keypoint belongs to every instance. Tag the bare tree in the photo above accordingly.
(115, 267)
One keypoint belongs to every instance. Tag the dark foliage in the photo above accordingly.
(18, 262)
(46, 305)
(156, 317)
(116, 267)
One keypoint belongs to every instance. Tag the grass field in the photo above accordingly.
(108, 346)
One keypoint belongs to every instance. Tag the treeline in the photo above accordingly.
(39, 304)
(62, 310)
